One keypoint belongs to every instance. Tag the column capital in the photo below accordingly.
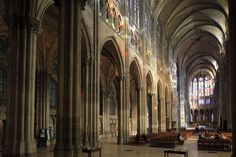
(21, 21)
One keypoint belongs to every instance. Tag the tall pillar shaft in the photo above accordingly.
(182, 100)
(168, 115)
(68, 139)
(106, 114)
(159, 114)
(154, 114)
(163, 115)
(42, 100)
(126, 112)
(91, 116)
(139, 97)
(19, 139)
(120, 112)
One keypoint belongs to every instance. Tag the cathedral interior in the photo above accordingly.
(115, 76)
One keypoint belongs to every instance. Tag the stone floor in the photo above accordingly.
(110, 149)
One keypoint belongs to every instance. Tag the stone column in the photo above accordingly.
(143, 109)
(232, 58)
(182, 99)
(69, 119)
(154, 114)
(168, 113)
(42, 101)
(106, 113)
(139, 97)
(95, 79)
(93, 115)
(120, 111)
(163, 115)
(222, 103)
(159, 114)
(19, 134)
(126, 111)
(85, 115)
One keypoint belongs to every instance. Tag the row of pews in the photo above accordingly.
(210, 140)
(219, 141)
(161, 139)
(166, 139)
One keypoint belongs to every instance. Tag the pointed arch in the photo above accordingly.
(159, 89)
(134, 64)
(43, 6)
(150, 81)
(110, 45)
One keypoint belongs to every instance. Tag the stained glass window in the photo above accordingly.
(134, 13)
(202, 90)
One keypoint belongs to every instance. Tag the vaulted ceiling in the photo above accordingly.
(196, 31)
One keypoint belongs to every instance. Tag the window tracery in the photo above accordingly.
(134, 13)
(202, 90)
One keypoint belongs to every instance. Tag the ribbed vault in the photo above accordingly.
(196, 31)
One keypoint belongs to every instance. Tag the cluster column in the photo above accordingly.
(93, 115)
(154, 114)
(69, 108)
(182, 99)
(126, 110)
(139, 96)
(120, 111)
(19, 134)
(163, 119)
(42, 101)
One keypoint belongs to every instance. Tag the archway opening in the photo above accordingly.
(135, 99)
(110, 92)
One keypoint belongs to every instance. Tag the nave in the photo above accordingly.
(110, 148)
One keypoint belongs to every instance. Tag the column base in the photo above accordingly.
(22, 150)
(122, 140)
(126, 140)
(19, 155)
(67, 152)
